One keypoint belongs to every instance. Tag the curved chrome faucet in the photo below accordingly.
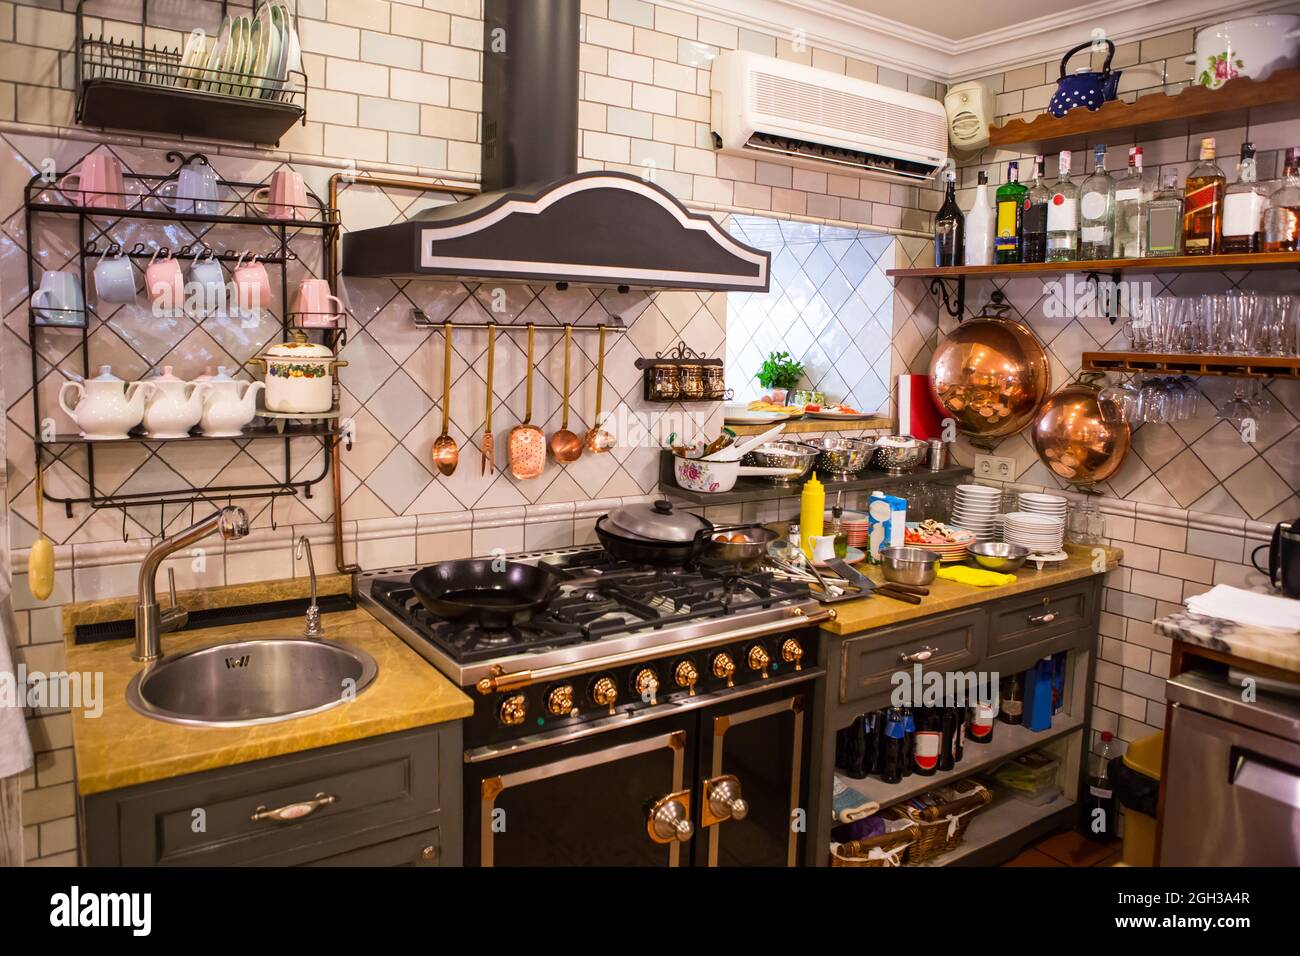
(301, 549)
(150, 620)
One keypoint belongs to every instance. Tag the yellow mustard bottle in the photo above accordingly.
(812, 511)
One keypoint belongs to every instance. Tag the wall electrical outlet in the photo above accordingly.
(991, 466)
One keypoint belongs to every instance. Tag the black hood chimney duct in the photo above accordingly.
(530, 91)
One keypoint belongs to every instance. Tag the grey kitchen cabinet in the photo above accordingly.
(388, 800)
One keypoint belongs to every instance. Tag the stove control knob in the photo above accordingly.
(604, 692)
(559, 701)
(724, 668)
(646, 684)
(792, 653)
(758, 659)
(513, 710)
(685, 675)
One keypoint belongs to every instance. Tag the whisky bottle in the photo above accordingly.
(1282, 222)
(1203, 205)
(1164, 220)
(1243, 207)
(1033, 242)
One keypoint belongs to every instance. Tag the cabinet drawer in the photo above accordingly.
(869, 662)
(225, 817)
(418, 849)
(1034, 618)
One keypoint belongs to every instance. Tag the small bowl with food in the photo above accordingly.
(743, 545)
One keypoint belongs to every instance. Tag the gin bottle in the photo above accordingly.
(1130, 202)
(1164, 220)
(1097, 211)
(1063, 216)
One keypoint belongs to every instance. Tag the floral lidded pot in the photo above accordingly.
(299, 376)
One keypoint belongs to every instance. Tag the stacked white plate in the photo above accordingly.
(975, 508)
(1054, 506)
(1041, 534)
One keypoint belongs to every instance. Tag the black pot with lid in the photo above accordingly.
(653, 532)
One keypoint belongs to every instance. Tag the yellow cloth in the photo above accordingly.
(975, 577)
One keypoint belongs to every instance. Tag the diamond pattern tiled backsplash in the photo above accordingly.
(829, 307)
(391, 389)
(1201, 465)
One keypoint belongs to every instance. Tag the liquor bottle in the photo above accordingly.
(949, 726)
(835, 528)
(1243, 207)
(1097, 210)
(1010, 209)
(1013, 699)
(979, 727)
(979, 226)
(1164, 220)
(1203, 205)
(909, 740)
(891, 747)
(1282, 223)
(1100, 819)
(1063, 216)
(1033, 226)
(929, 737)
(1130, 206)
(959, 734)
(949, 226)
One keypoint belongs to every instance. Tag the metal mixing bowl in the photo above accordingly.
(783, 454)
(841, 457)
(998, 555)
(909, 565)
(899, 459)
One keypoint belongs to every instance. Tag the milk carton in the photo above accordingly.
(886, 523)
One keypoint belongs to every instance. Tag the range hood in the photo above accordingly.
(538, 219)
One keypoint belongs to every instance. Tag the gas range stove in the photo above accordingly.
(619, 637)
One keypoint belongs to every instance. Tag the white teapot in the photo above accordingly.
(108, 407)
(174, 407)
(228, 405)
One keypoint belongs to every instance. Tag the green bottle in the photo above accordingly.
(1010, 202)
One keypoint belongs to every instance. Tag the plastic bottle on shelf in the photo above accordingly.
(979, 226)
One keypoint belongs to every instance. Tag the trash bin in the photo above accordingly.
(1136, 779)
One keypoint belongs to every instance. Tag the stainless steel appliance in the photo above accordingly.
(1232, 776)
(1283, 558)
(645, 716)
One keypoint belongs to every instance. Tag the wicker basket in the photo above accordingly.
(940, 835)
(890, 849)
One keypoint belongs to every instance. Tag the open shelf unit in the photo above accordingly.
(1240, 102)
(1175, 363)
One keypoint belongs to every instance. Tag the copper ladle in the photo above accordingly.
(565, 445)
(445, 453)
(527, 443)
(597, 439)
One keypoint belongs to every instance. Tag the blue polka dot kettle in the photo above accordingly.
(1088, 88)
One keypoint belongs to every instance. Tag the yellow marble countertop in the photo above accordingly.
(851, 617)
(120, 747)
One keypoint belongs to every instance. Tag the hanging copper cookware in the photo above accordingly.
(526, 443)
(990, 375)
(1077, 439)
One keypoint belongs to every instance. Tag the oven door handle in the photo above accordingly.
(517, 679)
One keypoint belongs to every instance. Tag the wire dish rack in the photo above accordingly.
(124, 85)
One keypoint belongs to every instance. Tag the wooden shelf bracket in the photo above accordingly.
(953, 303)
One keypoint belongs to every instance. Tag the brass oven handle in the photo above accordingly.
(294, 811)
(924, 654)
(670, 818)
(722, 800)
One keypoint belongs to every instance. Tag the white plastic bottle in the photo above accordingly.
(979, 226)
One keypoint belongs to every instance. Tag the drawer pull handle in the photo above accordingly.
(429, 853)
(924, 654)
(294, 811)
(1038, 620)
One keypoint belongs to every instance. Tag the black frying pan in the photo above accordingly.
(489, 590)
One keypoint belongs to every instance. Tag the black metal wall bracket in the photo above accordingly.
(1110, 303)
(954, 303)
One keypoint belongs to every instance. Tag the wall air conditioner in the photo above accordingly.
(768, 108)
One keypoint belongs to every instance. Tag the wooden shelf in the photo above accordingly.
(1240, 102)
(1244, 261)
(1236, 366)
(997, 832)
(806, 426)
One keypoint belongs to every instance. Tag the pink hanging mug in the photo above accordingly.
(252, 284)
(316, 306)
(165, 282)
(286, 196)
(99, 183)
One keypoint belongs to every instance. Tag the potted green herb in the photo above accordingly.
(779, 373)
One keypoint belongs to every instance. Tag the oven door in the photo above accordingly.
(752, 782)
(621, 798)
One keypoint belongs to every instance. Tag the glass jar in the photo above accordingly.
(663, 383)
(690, 382)
(714, 386)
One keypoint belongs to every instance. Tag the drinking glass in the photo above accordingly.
(1217, 319)
(1164, 315)
(1241, 323)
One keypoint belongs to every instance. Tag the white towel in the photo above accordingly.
(1248, 607)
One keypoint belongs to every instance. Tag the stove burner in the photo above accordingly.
(602, 597)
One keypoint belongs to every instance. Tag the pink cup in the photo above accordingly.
(286, 196)
(316, 306)
(99, 183)
(252, 284)
(165, 282)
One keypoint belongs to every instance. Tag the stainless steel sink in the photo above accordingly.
(251, 682)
